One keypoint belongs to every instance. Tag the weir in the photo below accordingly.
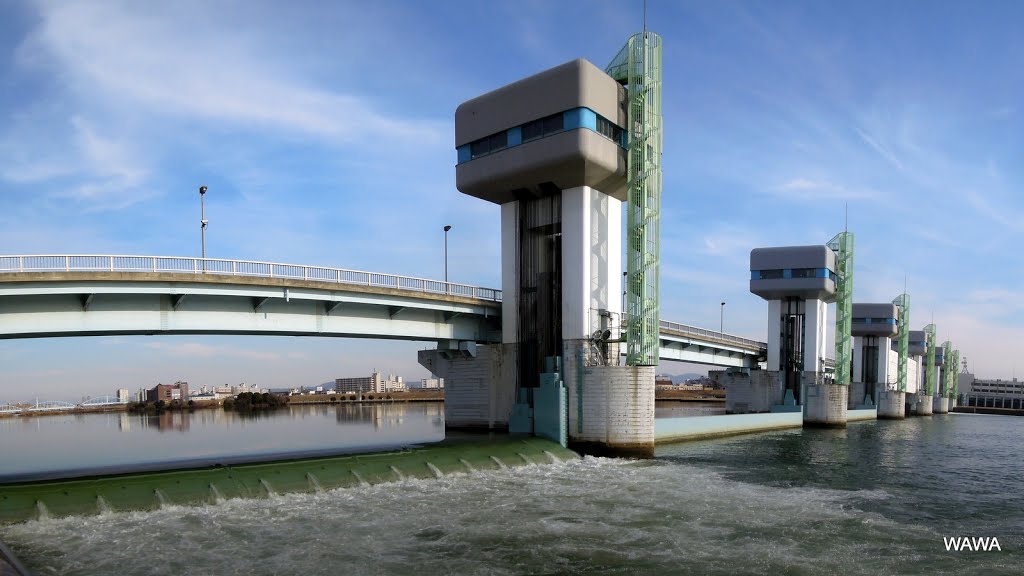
(24, 501)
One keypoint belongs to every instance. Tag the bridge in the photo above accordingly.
(45, 296)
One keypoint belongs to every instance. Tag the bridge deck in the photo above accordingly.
(64, 295)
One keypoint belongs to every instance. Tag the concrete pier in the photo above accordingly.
(611, 409)
(891, 404)
(924, 405)
(825, 405)
(480, 384)
(940, 405)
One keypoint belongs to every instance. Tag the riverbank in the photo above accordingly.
(690, 395)
(370, 398)
(390, 397)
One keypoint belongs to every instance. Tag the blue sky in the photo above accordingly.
(324, 131)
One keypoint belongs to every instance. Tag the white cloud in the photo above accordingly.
(169, 60)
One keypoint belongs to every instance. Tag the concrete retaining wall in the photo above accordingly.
(667, 430)
(860, 415)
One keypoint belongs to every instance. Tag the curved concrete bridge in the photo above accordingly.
(46, 296)
(87, 295)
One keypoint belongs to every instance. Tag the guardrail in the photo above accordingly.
(217, 266)
(711, 335)
(186, 265)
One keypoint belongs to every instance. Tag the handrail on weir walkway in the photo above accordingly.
(222, 267)
(714, 335)
(250, 268)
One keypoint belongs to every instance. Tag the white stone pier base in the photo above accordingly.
(890, 404)
(924, 405)
(825, 405)
(611, 408)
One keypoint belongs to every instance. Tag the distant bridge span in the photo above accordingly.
(87, 295)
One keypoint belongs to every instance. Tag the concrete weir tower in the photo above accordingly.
(798, 282)
(561, 151)
(874, 362)
(918, 351)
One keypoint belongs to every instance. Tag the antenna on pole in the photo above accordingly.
(846, 218)
(645, 17)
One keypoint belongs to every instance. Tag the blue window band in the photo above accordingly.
(889, 321)
(573, 119)
(791, 274)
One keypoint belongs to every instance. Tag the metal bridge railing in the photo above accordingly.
(711, 335)
(186, 265)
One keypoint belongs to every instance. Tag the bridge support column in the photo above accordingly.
(940, 405)
(824, 404)
(890, 403)
(756, 391)
(611, 408)
(479, 384)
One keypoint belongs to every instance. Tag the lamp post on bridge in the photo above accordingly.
(721, 320)
(446, 229)
(202, 223)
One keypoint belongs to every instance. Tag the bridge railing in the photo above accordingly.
(711, 335)
(186, 265)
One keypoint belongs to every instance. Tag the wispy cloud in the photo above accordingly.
(812, 189)
(1003, 215)
(882, 150)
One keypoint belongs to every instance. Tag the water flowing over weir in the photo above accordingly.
(151, 491)
(874, 498)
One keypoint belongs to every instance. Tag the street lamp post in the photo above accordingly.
(721, 319)
(202, 222)
(446, 229)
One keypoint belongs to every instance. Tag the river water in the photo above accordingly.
(875, 498)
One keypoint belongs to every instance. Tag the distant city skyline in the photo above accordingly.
(777, 118)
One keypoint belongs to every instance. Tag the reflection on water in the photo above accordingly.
(71, 444)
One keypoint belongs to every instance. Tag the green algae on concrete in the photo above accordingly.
(24, 501)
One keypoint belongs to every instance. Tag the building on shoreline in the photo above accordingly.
(432, 384)
(375, 382)
(992, 393)
(168, 392)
